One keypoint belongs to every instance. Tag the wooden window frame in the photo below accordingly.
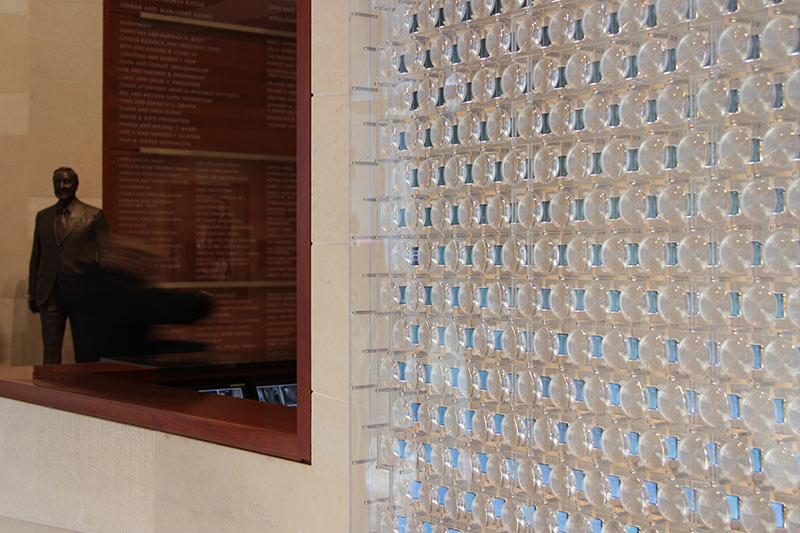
(127, 394)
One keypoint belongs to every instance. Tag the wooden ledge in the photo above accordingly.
(117, 392)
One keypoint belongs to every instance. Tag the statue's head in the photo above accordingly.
(65, 184)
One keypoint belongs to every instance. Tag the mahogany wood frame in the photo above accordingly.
(124, 393)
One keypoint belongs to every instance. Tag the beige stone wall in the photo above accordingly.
(62, 471)
(88, 475)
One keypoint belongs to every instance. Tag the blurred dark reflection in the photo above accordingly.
(113, 305)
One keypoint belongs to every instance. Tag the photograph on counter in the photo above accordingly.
(233, 392)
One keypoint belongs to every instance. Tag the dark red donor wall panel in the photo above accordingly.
(196, 88)
(200, 104)
(265, 14)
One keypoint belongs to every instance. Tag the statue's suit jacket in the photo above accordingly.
(51, 258)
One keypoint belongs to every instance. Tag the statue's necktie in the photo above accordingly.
(61, 225)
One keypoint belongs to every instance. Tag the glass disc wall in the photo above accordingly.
(575, 255)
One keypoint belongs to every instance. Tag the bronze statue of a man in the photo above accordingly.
(65, 234)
